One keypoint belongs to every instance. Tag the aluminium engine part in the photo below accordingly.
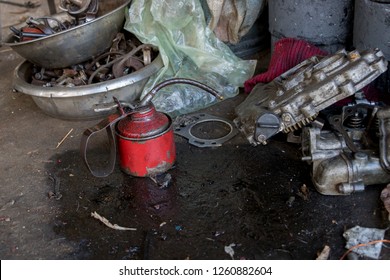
(336, 168)
(295, 98)
(326, 24)
(348, 173)
(186, 124)
(357, 130)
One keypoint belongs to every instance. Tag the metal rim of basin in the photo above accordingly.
(20, 84)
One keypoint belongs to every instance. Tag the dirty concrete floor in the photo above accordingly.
(235, 194)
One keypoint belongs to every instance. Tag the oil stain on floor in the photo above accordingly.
(258, 201)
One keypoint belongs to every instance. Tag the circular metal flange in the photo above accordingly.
(185, 130)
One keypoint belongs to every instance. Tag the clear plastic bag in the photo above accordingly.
(189, 49)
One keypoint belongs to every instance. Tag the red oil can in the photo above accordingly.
(146, 142)
(143, 135)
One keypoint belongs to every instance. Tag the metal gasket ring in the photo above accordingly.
(185, 131)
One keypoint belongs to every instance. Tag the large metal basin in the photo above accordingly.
(76, 44)
(84, 102)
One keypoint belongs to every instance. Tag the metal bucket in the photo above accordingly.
(84, 102)
(76, 44)
(371, 26)
(326, 24)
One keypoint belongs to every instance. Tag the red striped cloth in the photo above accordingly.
(288, 52)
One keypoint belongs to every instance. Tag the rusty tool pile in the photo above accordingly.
(40, 27)
(124, 57)
(81, 11)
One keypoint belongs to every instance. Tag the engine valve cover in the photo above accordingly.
(294, 99)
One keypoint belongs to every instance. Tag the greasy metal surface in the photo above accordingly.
(79, 103)
(295, 98)
(327, 24)
(351, 156)
(62, 49)
(372, 28)
(348, 173)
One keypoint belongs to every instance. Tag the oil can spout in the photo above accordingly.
(149, 96)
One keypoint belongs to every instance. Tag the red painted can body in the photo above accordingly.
(146, 143)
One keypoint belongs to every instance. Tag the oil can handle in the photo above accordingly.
(109, 125)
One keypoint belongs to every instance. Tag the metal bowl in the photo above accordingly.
(76, 44)
(84, 102)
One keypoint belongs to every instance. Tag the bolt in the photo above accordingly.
(262, 139)
(279, 92)
(286, 118)
(361, 155)
(272, 103)
(307, 158)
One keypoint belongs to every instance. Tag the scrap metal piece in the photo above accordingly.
(75, 7)
(37, 28)
(147, 53)
(336, 122)
(185, 130)
(295, 98)
(119, 68)
(361, 235)
(83, 10)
